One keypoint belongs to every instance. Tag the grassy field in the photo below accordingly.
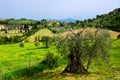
(14, 58)
(98, 71)
(15, 62)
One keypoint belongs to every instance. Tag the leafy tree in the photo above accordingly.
(16, 39)
(46, 41)
(44, 23)
(83, 47)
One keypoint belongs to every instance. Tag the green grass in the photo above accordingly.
(98, 71)
(14, 59)
(40, 33)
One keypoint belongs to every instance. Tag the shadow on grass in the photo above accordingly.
(28, 71)
(37, 48)
(23, 72)
(56, 75)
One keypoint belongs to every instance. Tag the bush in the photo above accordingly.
(21, 44)
(2, 40)
(11, 39)
(36, 43)
(16, 39)
(118, 36)
(50, 61)
(46, 40)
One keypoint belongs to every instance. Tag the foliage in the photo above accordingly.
(36, 43)
(84, 47)
(16, 39)
(14, 59)
(50, 61)
(11, 39)
(2, 40)
(21, 44)
(109, 21)
(46, 40)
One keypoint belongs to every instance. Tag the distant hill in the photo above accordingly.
(40, 33)
(67, 20)
(110, 21)
(113, 34)
(46, 32)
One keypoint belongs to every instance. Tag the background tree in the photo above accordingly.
(83, 47)
(46, 40)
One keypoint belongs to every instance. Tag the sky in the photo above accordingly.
(56, 9)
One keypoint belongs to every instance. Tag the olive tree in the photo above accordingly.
(46, 40)
(83, 48)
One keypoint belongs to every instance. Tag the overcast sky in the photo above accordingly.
(56, 9)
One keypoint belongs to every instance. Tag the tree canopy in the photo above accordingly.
(83, 47)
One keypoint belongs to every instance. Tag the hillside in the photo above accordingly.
(110, 21)
(46, 32)
(40, 33)
(97, 72)
(113, 34)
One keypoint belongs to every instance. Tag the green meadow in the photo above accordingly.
(15, 62)
(13, 57)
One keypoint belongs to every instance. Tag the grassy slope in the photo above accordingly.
(42, 32)
(99, 71)
(13, 57)
(113, 34)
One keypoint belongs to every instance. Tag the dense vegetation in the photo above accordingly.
(107, 21)
(84, 48)
(9, 40)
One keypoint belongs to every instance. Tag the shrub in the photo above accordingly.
(50, 61)
(16, 39)
(2, 40)
(36, 43)
(21, 44)
(46, 40)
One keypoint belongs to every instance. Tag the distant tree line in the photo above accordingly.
(107, 21)
(11, 39)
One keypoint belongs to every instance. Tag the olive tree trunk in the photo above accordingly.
(74, 66)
